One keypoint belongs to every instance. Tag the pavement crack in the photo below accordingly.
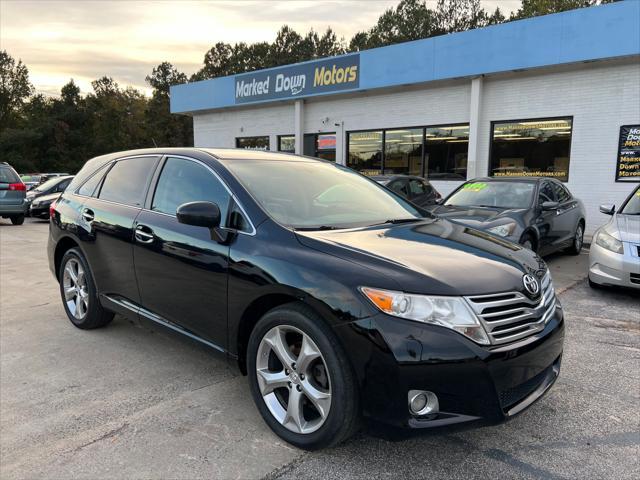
(109, 434)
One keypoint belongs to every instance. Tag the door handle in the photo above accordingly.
(144, 234)
(88, 215)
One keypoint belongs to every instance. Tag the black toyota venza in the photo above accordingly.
(338, 298)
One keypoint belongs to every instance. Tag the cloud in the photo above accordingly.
(85, 40)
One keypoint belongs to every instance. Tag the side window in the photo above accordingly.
(561, 193)
(63, 185)
(416, 187)
(89, 187)
(398, 186)
(546, 193)
(183, 181)
(127, 180)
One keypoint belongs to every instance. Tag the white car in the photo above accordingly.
(614, 257)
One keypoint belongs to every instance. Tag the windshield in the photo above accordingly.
(315, 195)
(493, 194)
(47, 185)
(632, 207)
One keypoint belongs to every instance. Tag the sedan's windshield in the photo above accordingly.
(317, 195)
(47, 185)
(493, 194)
(632, 207)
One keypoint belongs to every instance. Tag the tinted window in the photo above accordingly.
(417, 187)
(398, 186)
(562, 195)
(63, 185)
(183, 181)
(90, 185)
(127, 180)
(7, 175)
(546, 193)
(446, 150)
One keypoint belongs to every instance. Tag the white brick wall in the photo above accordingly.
(601, 97)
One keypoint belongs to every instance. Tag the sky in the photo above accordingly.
(85, 40)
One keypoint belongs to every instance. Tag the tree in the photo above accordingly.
(534, 8)
(15, 88)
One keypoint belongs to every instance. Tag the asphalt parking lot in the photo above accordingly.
(134, 401)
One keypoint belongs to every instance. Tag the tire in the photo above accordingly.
(82, 305)
(578, 240)
(527, 241)
(17, 220)
(330, 373)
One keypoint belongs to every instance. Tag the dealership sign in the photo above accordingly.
(323, 76)
(628, 165)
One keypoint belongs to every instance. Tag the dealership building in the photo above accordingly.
(557, 96)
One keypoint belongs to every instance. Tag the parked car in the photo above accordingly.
(39, 199)
(536, 212)
(48, 176)
(416, 189)
(335, 296)
(614, 256)
(30, 180)
(12, 194)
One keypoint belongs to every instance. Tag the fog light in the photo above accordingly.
(423, 403)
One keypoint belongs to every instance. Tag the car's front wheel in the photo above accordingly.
(301, 379)
(79, 294)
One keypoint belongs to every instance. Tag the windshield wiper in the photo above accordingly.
(397, 221)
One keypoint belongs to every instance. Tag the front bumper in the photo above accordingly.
(610, 268)
(392, 356)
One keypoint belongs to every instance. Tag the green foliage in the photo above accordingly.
(39, 133)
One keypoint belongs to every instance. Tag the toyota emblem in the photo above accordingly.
(531, 284)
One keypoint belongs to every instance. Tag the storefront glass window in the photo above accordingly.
(403, 151)
(326, 146)
(531, 148)
(287, 143)
(446, 150)
(365, 152)
(253, 143)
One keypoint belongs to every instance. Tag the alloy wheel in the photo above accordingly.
(76, 295)
(293, 379)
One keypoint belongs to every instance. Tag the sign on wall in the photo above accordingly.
(628, 165)
(332, 75)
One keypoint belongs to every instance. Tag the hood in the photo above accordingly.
(432, 256)
(628, 227)
(47, 197)
(479, 217)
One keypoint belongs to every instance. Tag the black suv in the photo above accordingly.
(12, 194)
(336, 296)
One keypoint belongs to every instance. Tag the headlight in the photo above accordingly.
(450, 312)
(610, 243)
(502, 230)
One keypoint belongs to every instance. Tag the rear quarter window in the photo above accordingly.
(8, 175)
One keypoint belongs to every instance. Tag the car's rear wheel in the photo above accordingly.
(17, 219)
(578, 240)
(78, 292)
(301, 379)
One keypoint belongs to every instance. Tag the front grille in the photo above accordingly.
(511, 316)
(635, 278)
(511, 396)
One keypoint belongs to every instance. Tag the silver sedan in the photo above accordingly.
(614, 257)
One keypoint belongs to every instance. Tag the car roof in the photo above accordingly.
(510, 178)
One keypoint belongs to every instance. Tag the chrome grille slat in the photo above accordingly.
(518, 309)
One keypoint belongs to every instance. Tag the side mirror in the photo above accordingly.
(203, 214)
(550, 205)
(608, 209)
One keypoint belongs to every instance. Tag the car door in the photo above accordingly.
(181, 271)
(546, 219)
(567, 214)
(106, 225)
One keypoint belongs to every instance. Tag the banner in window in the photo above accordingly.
(628, 164)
